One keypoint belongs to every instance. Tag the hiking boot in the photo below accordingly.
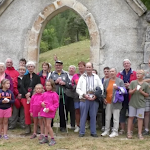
(44, 140)
(5, 137)
(105, 133)
(94, 135)
(81, 135)
(33, 136)
(77, 129)
(145, 132)
(113, 134)
(52, 142)
(41, 137)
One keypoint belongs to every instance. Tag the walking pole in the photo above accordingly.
(58, 115)
(64, 109)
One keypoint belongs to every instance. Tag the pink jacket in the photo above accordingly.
(51, 99)
(35, 101)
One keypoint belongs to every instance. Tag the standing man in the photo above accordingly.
(70, 98)
(86, 87)
(62, 82)
(127, 75)
(10, 70)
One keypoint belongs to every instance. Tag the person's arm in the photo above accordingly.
(12, 100)
(55, 105)
(143, 93)
(132, 89)
(24, 80)
(16, 92)
(147, 80)
(31, 104)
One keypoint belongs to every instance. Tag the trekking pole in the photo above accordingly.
(58, 114)
(64, 109)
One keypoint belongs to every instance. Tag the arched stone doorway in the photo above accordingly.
(58, 6)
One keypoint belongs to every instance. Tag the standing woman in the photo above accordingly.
(147, 108)
(44, 73)
(4, 75)
(110, 86)
(29, 81)
(75, 78)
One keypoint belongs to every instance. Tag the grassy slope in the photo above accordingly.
(70, 54)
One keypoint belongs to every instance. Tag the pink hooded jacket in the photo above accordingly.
(51, 99)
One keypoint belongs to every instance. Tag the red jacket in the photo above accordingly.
(132, 76)
(12, 72)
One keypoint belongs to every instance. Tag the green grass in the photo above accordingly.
(70, 54)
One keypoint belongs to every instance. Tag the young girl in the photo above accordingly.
(50, 103)
(35, 107)
(6, 99)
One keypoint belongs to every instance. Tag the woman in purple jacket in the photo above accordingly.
(3, 75)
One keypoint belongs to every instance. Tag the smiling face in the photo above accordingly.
(9, 63)
(30, 68)
(89, 68)
(126, 65)
(140, 74)
(113, 73)
(2, 69)
(58, 67)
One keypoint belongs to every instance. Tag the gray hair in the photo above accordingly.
(8, 59)
(113, 68)
(127, 61)
(2, 64)
(30, 63)
(72, 67)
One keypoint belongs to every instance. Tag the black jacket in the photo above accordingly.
(26, 83)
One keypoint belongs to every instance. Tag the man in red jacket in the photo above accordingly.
(127, 75)
(10, 70)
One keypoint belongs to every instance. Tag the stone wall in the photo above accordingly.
(117, 30)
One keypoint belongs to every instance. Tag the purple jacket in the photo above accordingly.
(119, 95)
(11, 82)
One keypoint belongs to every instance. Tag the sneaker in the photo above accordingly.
(52, 142)
(113, 134)
(94, 135)
(103, 128)
(145, 132)
(33, 136)
(105, 133)
(121, 132)
(44, 140)
(5, 137)
(77, 129)
(41, 136)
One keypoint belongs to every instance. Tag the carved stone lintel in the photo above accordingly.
(137, 6)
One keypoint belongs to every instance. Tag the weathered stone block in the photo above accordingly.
(146, 52)
(37, 25)
(137, 6)
(148, 34)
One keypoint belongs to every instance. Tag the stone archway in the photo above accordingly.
(34, 35)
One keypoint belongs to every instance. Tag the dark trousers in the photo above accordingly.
(71, 109)
(62, 113)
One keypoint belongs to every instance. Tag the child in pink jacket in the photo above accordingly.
(35, 107)
(50, 103)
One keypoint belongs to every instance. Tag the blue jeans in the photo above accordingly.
(92, 107)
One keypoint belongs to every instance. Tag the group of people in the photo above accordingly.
(25, 95)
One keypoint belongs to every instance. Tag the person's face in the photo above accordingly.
(22, 72)
(139, 74)
(93, 71)
(81, 68)
(30, 68)
(39, 89)
(22, 63)
(45, 67)
(6, 85)
(58, 67)
(48, 86)
(126, 65)
(89, 68)
(2, 69)
(106, 73)
(71, 70)
(113, 73)
(9, 63)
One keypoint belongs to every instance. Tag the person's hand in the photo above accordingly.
(62, 83)
(127, 85)
(55, 57)
(4, 101)
(115, 87)
(92, 98)
(86, 96)
(31, 114)
(43, 104)
(58, 80)
(47, 110)
(28, 95)
(28, 99)
(19, 96)
(105, 101)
